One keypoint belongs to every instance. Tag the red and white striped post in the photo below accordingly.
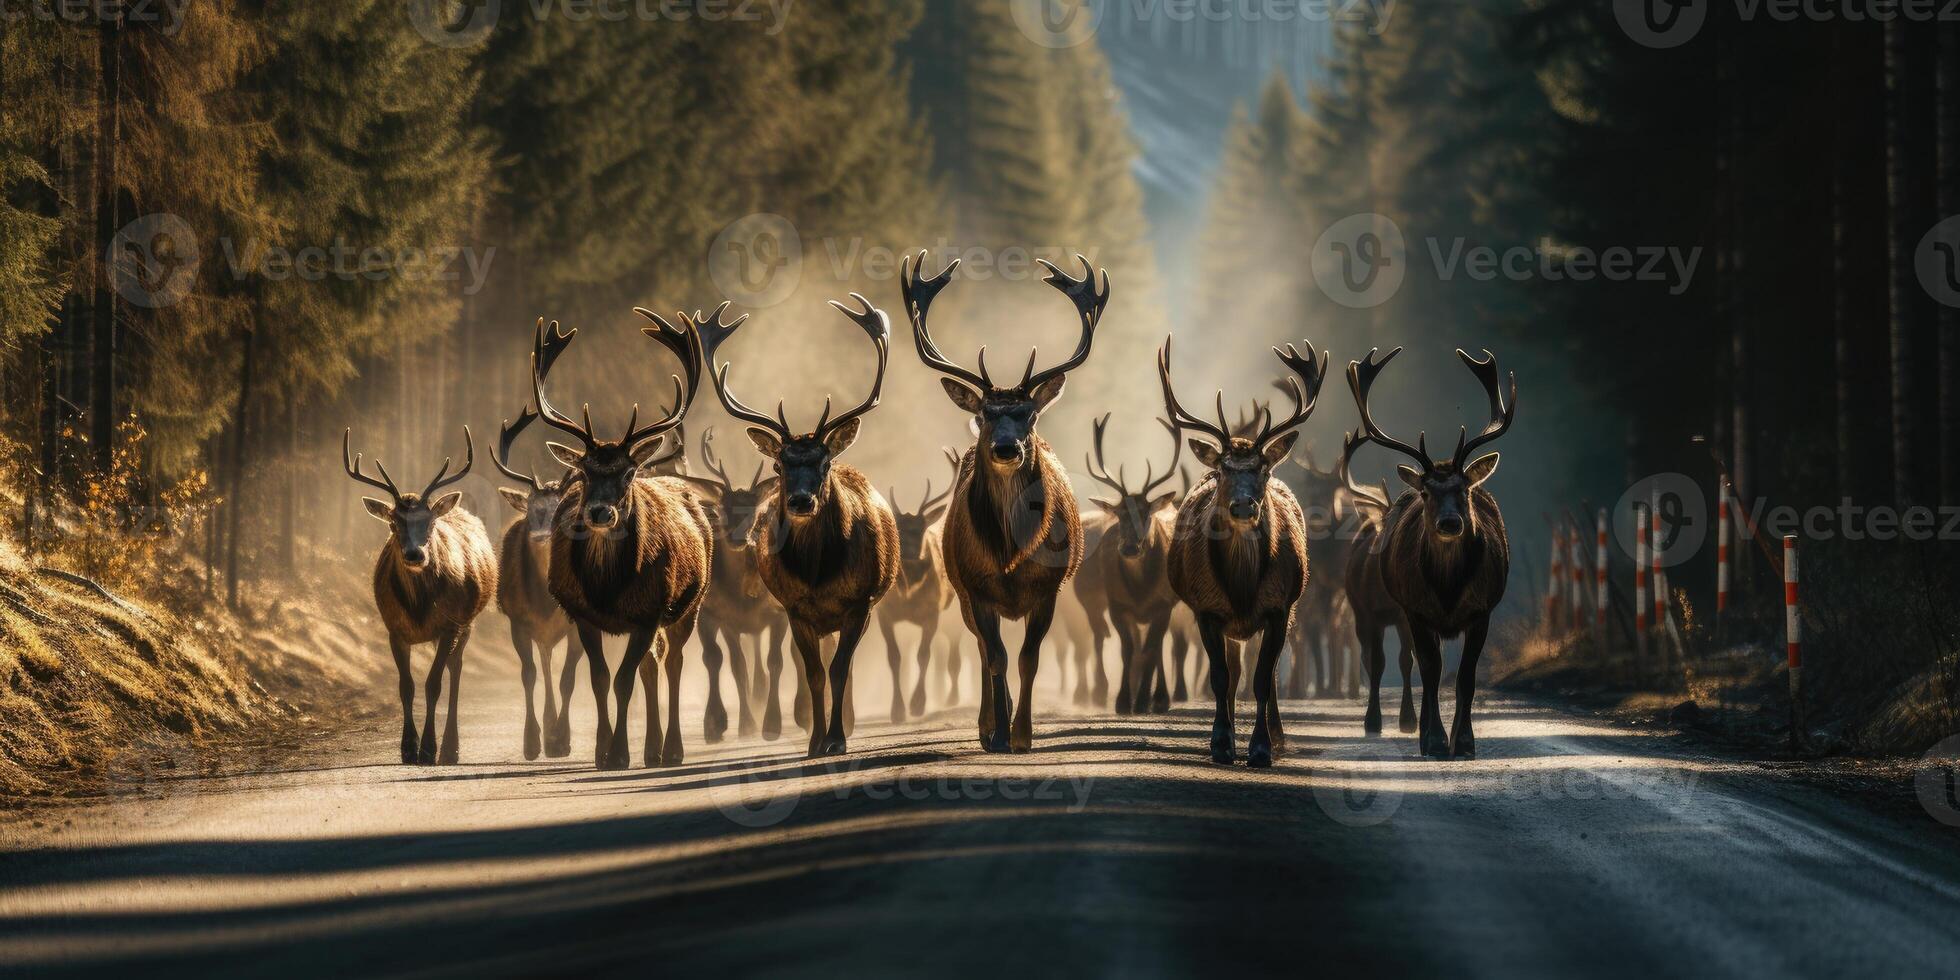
(1657, 580)
(1793, 637)
(1556, 582)
(1722, 553)
(1640, 537)
(1599, 576)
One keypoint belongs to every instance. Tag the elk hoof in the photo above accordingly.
(714, 726)
(533, 742)
(995, 743)
(898, 712)
(1371, 722)
(1464, 746)
(833, 745)
(772, 726)
(448, 756)
(675, 753)
(746, 729)
(559, 742)
(1436, 746)
(408, 749)
(1408, 722)
(1222, 752)
(918, 704)
(1258, 756)
(426, 757)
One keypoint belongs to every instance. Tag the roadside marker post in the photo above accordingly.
(1793, 638)
(1640, 581)
(1599, 576)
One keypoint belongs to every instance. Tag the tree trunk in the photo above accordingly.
(1904, 217)
(234, 499)
(1947, 198)
(289, 502)
(102, 345)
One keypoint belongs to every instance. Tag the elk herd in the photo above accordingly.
(1262, 552)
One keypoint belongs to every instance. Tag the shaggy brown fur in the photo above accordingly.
(536, 623)
(917, 598)
(437, 603)
(1140, 601)
(1092, 596)
(1374, 611)
(737, 605)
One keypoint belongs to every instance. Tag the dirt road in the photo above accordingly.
(1570, 846)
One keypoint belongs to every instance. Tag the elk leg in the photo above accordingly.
(676, 638)
(802, 712)
(772, 709)
(547, 649)
(527, 670)
(595, 665)
(1098, 632)
(1463, 742)
(1266, 733)
(1370, 634)
(1153, 650)
(955, 654)
(1429, 660)
(1235, 671)
(455, 666)
(653, 742)
(432, 693)
(615, 754)
(1022, 739)
(809, 649)
(926, 631)
(405, 677)
(994, 703)
(714, 717)
(835, 741)
(894, 659)
(1180, 655)
(1404, 661)
(559, 745)
(1126, 679)
(738, 663)
(1211, 631)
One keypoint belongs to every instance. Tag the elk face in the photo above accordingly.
(1445, 494)
(1242, 465)
(803, 465)
(1242, 469)
(539, 507)
(1134, 510)
(605, 475)
(1004, 418)
(411, 521)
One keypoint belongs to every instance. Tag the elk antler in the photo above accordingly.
(1361, 378)
(918, 290)
(1310, 370)
(878, 327)
(545, 347)
(713, 334)
(1221, 433)
(352, 462)
(1098, 469)
(1177, 453)
(1089, 297)
(713, 462)
(469, 460)
(1502, 411)
(1351, 442)
(684, 342)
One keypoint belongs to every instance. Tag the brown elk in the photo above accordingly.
(826, 544)
(1444, 555)
(1239, 555)
(1367, 595)
(735, 606)
(1132, 560)
(524, 587)
(1012, 534)
(630, 552)
(431, 580)
(1317, 650)
(919, 595)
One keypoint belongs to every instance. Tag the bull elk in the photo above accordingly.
(1320, 651)
(1443, 552)
(630, 552)
(1239, 554)
(920, 593)
(537, 623)
(826, 544)
(431, 580)
(735, 606)
(1013, 537)
(1131, 560)
(1367, 595)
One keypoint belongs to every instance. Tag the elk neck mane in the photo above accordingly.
(447, 566)
(1238, 556)
(1010, 512)
(816, 550)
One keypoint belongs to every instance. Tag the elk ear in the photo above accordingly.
(1410, 475)
(1110, 507)
(964, 395)
(446, 503)
(646, 451)
(1481, 468)
(381, 510)
(565, 454)
(1279, 449)
(841, 437)
(765, 442)
(1163, 501)
(1047, 392)
(518, 500)
(1206, 452)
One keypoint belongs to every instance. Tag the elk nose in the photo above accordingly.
(802, 504)
(1007, 452)
(414, 557)
(1245, 510)
(1449, 525)
(601, 515)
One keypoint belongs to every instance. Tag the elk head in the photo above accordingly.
(1133, 509)
(411, 517)
(605, 469)
(803, 461)
(539, 500)
(1003, 417)
(1242, 464)
(1444, 485)
(738, 505)
(912, 527)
